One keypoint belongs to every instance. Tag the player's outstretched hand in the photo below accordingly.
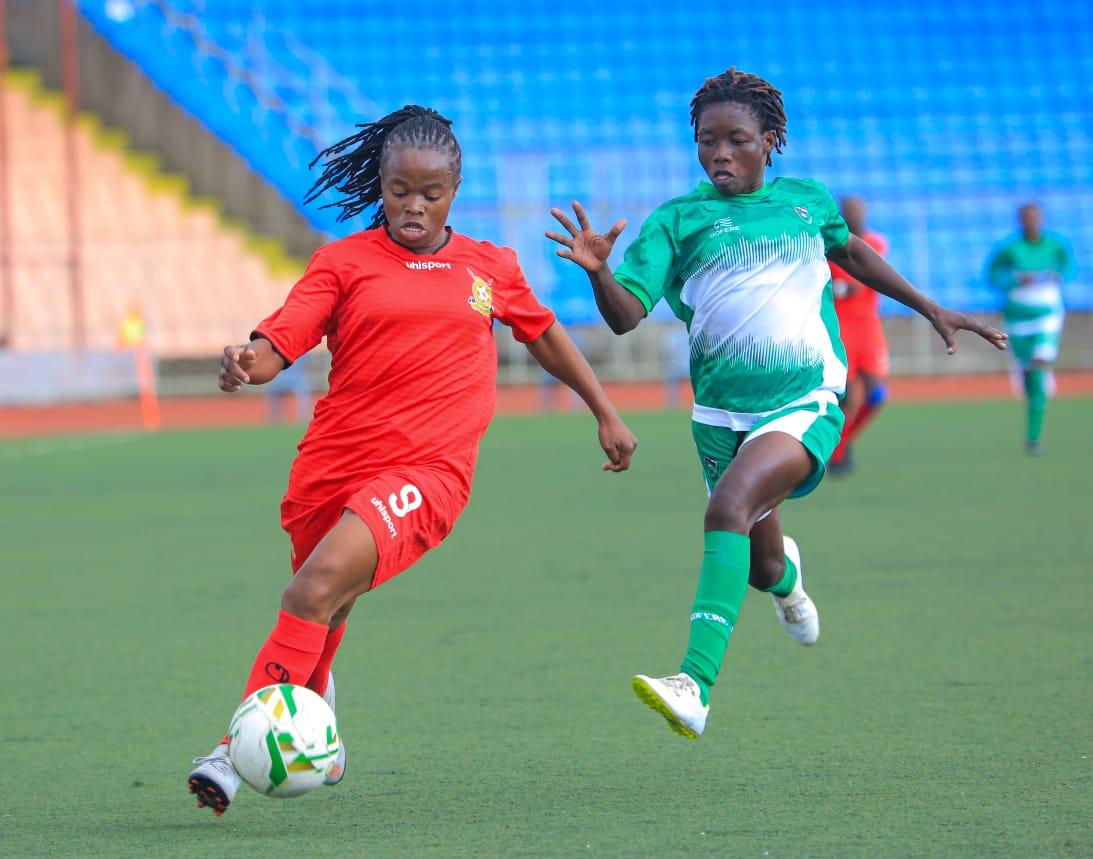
(234, 364)
(584, 246)
(617, 442)
(948, 322)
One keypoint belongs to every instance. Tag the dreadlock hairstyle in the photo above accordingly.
(353, 165)
(749, 90)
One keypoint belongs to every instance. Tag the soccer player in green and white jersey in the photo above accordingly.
(742, 262)
(1030, 268)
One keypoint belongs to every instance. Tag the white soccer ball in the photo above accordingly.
(284, 740)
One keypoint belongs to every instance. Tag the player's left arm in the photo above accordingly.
(1068, 267)
(863, 263)
(558, 355)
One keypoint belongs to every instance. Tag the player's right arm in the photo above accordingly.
(1000, 270)
(253, 363)
(292, 330)
(863, 263)
(1068, 266)
(620, 308)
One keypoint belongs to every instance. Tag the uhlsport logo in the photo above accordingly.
(803, 213)
(481, 294)
(723, 225)
(427, 266)
(385, 516)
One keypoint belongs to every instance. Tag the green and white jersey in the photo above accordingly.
(748, 274)
(1030, 273)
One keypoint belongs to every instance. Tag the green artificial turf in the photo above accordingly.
(484, 695)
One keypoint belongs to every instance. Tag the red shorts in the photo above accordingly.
(866, 348)
(409, 511)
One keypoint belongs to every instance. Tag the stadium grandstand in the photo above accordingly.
(178, 187)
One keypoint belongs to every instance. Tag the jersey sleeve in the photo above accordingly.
(307, 314)
(1068, 268)
(518, 307)
(833, 228)
(1000, 269)
(649, 264)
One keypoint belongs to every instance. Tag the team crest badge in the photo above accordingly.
(803, 213)
(481, 294)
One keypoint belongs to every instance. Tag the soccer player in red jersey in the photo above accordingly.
(863, 336)
(385, 466)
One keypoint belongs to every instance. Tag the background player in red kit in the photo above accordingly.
(385, 467)
(863, 336)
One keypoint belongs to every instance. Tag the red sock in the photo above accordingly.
(853, 429)
(839, 453)
(317, 683)
(289, 654)
(861, 420)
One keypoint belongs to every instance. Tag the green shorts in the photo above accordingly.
(1034, 330)
(1043, 347)
(818, 426)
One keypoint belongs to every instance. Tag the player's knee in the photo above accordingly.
(308, 599)
(315, 592)
(729, 511)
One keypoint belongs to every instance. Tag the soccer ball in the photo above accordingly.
(284, 740)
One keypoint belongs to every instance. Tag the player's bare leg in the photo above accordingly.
(776, 568)
(768, 560)
(865, 395)
(761, 476)
(340, 569)
(1038, 384)
(874, 396)
(852, 404)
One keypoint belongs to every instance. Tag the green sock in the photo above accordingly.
(1036, 389)
(787, 583)
(721, 588)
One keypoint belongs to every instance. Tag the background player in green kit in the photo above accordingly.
(1030, 269)
(743, 263)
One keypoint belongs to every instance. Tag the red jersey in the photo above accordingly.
(863, 303)
(413, 362)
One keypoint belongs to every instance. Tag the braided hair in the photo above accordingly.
(752, 92)
(353, 165)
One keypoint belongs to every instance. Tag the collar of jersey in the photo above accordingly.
(706, 189)
(406, 253)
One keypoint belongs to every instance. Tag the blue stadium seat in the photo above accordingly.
(945, 114)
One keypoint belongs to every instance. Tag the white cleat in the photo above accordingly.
(797, 612)
(337, 773)
(214, 780)
(677, 699)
